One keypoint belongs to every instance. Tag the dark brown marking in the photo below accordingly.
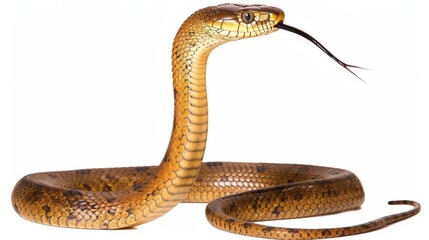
(46, 208)
(82, 206)
(87, 187)
(141, 169)
(229, 220)
(366, 225)
(277, 210)
(35, 195)
(105, 225)
(155, 192)
(52, 175)
(72, 193)
(298, 196)
(261, 168)
(351, 177)
(16, 208)
(267, 229)
(110, 199)
(107, 188)
(214, 164)
(83, 171)
(304, 168)
(130, 211)
(246, 225)
(138, 187)
(178, 56)
(224, 178)
(111, 177)
(70, 217)
(326, 232)
(112, 212)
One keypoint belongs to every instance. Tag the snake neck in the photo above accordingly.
(191, 49)
(184, 155)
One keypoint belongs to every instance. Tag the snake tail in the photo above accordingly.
(222, 216)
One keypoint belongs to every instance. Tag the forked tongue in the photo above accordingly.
(319, 45)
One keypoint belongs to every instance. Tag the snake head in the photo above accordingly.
(234, 21)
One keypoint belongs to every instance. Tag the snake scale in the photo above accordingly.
(239, 194)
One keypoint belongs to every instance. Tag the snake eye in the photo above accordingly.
(247, 16)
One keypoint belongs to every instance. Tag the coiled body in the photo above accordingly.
(125, 197)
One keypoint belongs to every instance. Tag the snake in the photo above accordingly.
(240, 195)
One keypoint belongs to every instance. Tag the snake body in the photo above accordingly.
(238, 193)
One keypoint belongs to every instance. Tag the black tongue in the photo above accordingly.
(319, 45)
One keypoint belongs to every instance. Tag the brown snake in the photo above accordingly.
(238, 193)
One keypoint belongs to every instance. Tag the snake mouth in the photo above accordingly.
(307, 36)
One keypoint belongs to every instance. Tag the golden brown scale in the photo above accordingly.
(238, 193)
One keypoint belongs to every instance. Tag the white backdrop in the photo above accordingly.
(87, 84)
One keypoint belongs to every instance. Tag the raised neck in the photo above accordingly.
(185, 152)
(190, 52)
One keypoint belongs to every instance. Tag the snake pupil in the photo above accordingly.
(247, 16)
